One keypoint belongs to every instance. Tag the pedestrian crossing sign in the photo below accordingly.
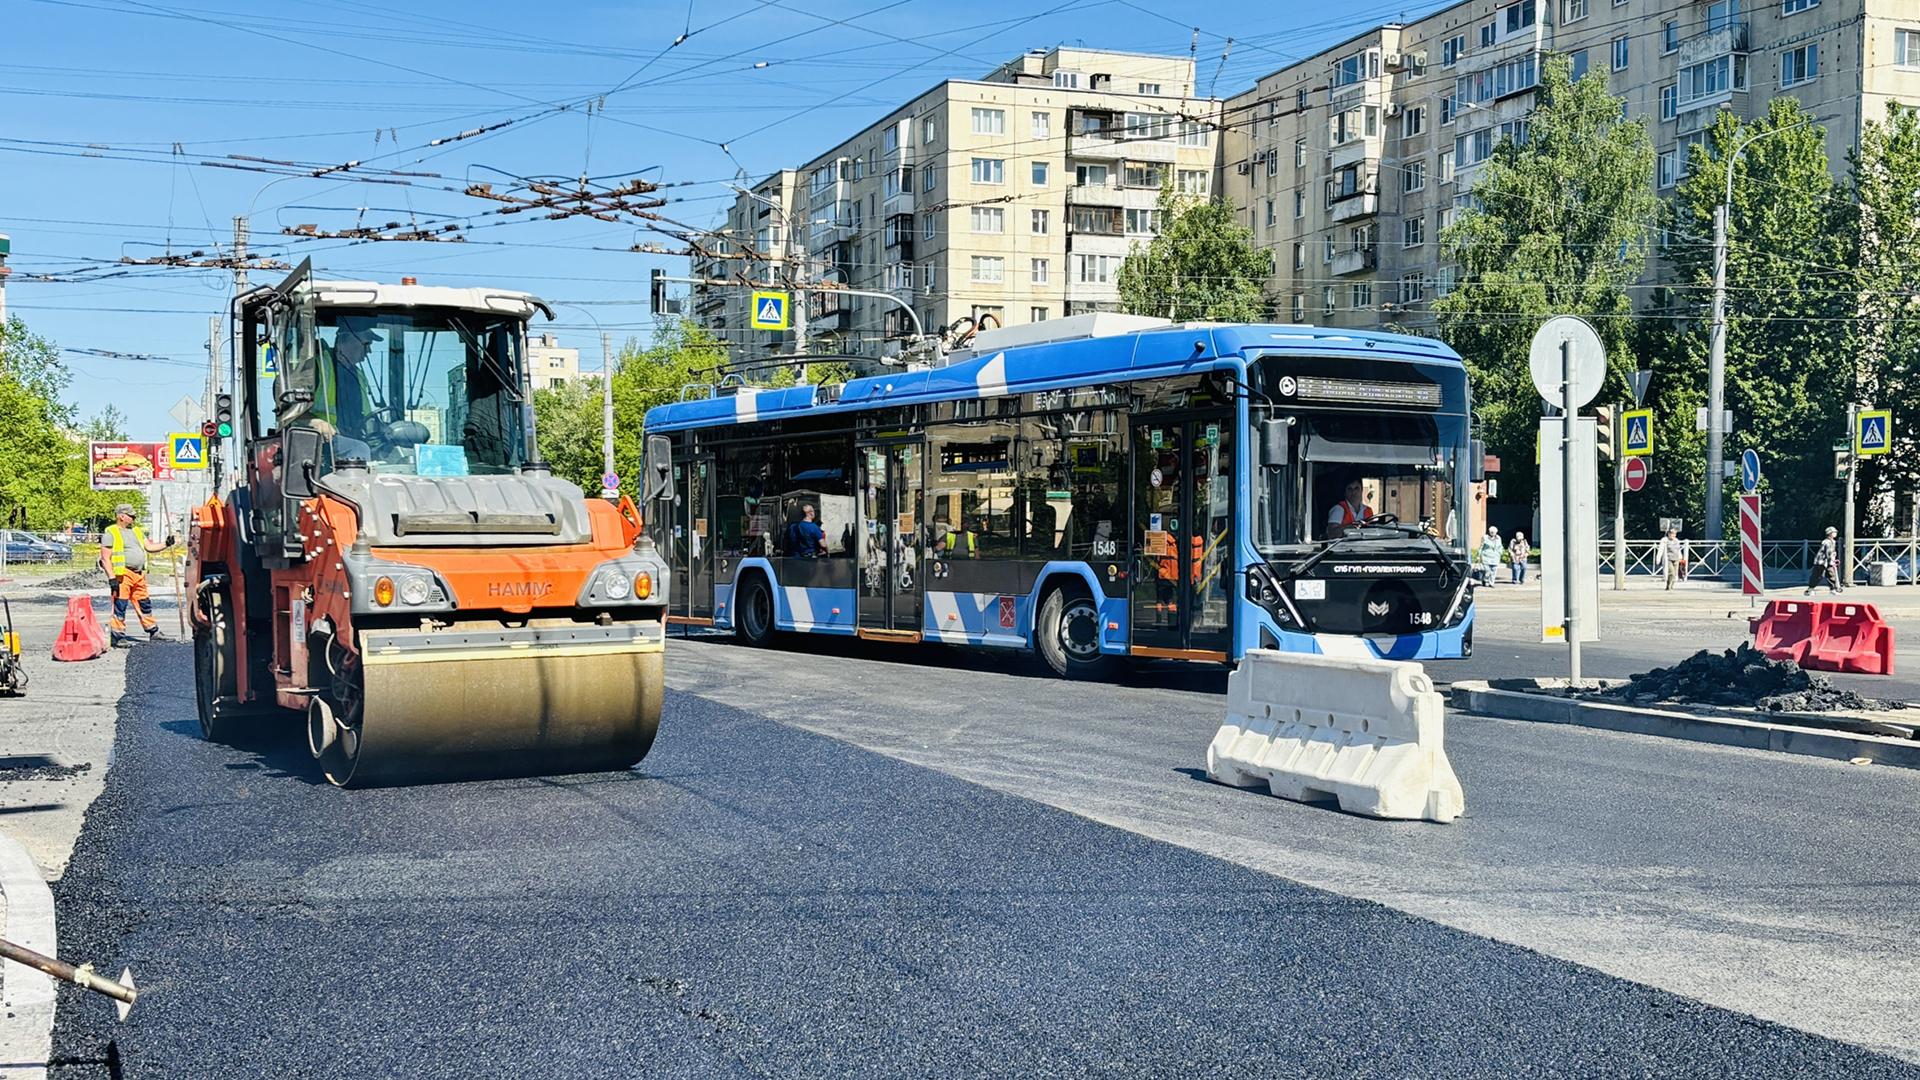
(770, 310)
(1636, 427)
(1872, 432)
(187, 450)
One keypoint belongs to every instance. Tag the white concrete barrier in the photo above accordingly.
(1365, 732)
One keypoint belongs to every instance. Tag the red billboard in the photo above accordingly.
(112, 465)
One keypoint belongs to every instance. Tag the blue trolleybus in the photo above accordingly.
(1092, 488)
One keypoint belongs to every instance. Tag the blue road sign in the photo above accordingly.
(1872, 432)
(770, 310)
(1750, 471)
(610, 481)
(186, 450)
(1636, 432)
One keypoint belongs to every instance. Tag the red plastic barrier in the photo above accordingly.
(1853, 638)
(1786, 630)
(81, 637)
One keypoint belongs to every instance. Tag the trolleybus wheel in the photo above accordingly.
(1067, 635)
(753, 613)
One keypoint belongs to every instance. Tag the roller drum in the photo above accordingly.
(515, 703)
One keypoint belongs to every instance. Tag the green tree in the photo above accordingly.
(46, 482)
(568, 423)
(1559, 225)
(107, 425)
(1203, 265)
(1883, 189)
(1787, 348)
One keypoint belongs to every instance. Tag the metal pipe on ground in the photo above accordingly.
(122, 991)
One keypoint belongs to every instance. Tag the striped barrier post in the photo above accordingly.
(1752, 573)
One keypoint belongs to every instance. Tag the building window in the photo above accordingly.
(1272, 215)
(1712, 77)
(1039, 223)
(1097, 269)
(927, 225)
(1362, 295)
(1722, 14)
(1443, 281)
(1413, 121)
(1413, 232)
(1090, 175)
(1150, 89)
(1273, 162)
(1794, 7)
(1148, 125)
(1143, 222)
(989, 219)
(1799, 65)
(1299, 154)
(1195, 181)
(1669, 37)
(989, 170)
(1669, 101)
(926, 277)
(989, 121)
(1446, 166)
(1039, 174)
(1042, 125)
(1299, 255)
(1520, 16)
(1327, 295)
(1620, 52)
(1489, 34)
(1572, 10)
(1413, 288)
(1667, 171)
(1579, 64)
(1195, 133)
(927, 177)
(1906, 48)
(1327, 249)
(926, 131)
(1413, 176)
(1452, 49)
(1036, 314)
(989, 269)
(1067, 80)
(1299, 308)
(1361, 65)
(1139, 174)
(1037, 272)
(1300, 100)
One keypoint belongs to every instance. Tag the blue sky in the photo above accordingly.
(95, 95)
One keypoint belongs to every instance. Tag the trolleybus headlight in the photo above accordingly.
(414, 590)
(383, 592)
(643, 585)
(614, 585)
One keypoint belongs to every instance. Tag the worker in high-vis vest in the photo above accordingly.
(124, 548)
(341, 409)
(1349, 511)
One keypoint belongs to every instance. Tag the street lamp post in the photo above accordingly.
(1717, 348)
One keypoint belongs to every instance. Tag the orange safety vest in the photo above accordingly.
(1349, 517)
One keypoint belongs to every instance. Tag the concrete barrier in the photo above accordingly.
(1367, 733)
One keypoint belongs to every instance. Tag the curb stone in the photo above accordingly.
(26, 1031)
(1479, 699)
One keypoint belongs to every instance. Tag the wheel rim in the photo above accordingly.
(759, 612)
(1080, 630)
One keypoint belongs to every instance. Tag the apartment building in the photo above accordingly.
(550, 364)
(1015, 196)
(1349, 164)
(759, 243)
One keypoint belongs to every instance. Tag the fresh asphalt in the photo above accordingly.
(759, 899)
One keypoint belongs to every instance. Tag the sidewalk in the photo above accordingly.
(1893, 601)
(55, 744)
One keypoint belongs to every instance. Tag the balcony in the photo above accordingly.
(900, 202)
(1113, 144)
(1096, 195)
(1358, 205)
(827, 232)
(1721, 41)
(1355, 261)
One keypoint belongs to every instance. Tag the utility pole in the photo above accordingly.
(1619, 499)
(6, 248)
(606, 408)
(241, 231)
(1853, 471)
(214, 446)
(1717, 371)
(1568, 549)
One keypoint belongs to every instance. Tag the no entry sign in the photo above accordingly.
(1635, 473)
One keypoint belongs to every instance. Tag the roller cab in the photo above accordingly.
(392, 564)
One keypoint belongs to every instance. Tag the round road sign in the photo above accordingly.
(1636, 473)
(1586, 355)
(610, 481)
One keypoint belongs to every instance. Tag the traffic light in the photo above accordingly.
(222, 416)
(1603, 431)
(658, 278)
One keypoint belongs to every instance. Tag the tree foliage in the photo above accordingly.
(45, 482)
(1560, 225)
(1882, 368)
(1202, 266)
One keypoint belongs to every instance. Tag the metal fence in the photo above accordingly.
(1786, 562)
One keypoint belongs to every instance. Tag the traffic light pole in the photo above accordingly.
(1619, 500)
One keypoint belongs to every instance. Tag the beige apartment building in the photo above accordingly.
(1349, 164)
(551, 364)
(1015, 196)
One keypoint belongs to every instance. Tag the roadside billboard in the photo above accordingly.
(118, 465)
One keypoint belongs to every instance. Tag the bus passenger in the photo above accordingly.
(805, 538)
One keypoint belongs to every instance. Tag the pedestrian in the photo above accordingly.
(1826, 563)
(1519, 552)
(124, 548)
(1490, 555)
(1672, 557)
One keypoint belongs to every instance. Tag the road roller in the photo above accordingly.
(387, 561)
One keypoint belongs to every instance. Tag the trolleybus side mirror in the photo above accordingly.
(1477, 455)
(1273, 442)
(659, 467)
(299, 459)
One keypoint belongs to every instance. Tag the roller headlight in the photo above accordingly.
(614, 585)
(415, 590)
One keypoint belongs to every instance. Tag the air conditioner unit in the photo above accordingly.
(1396, 62)
(1245, 168)
(1396, 109)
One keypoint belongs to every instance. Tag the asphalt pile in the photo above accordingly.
(1743, 677)
(79, 579)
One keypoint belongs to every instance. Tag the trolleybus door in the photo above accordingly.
(699, 538)
(888, 545)
(1182, 599)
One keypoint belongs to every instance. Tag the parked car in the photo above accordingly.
(25, 547)
(62, 547)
